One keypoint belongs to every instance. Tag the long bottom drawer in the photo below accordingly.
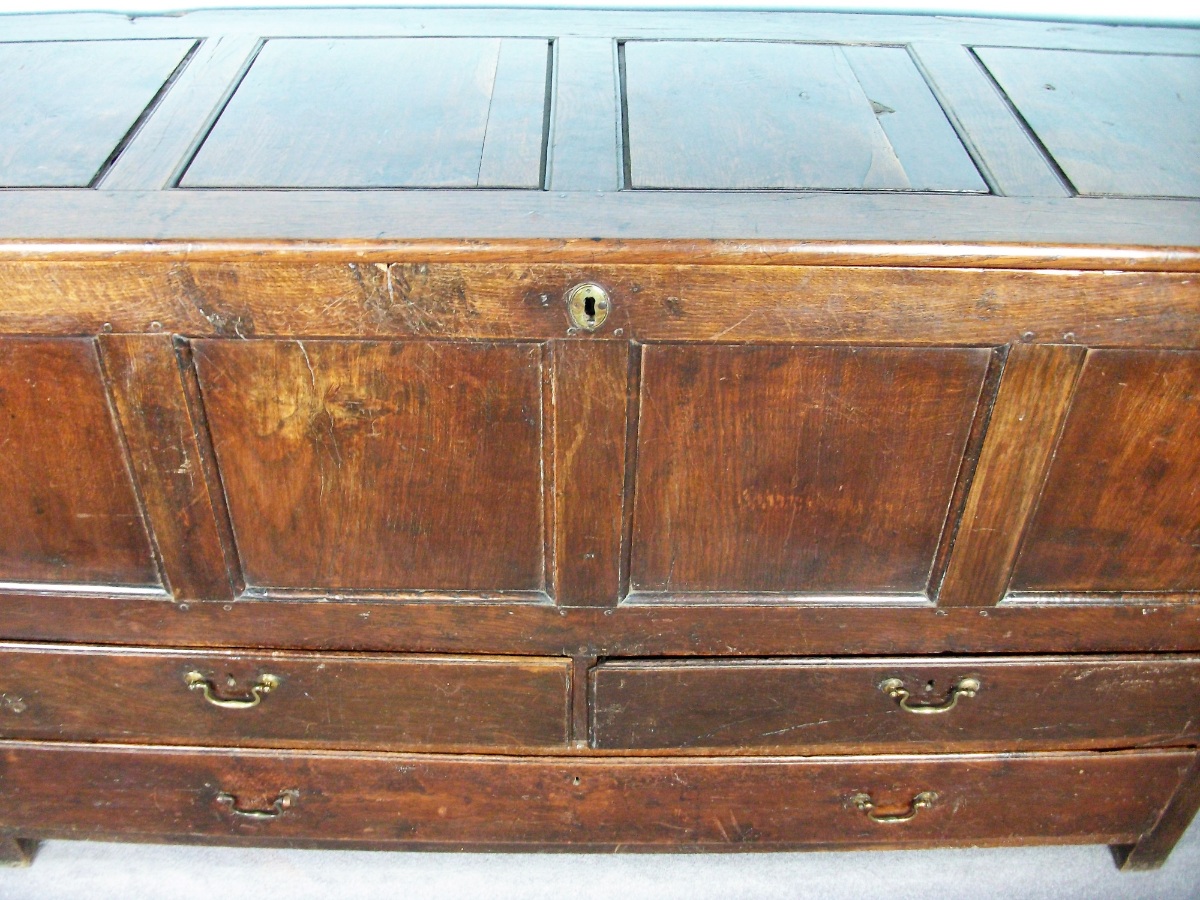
(103, 790)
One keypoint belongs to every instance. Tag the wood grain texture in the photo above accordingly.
(377, 466)
(69, 512)
(396, 798)
(776, 116)
(1009, 160)
(842, 304)
(797, 469)
(1121, 508)
(165, 142)
(1035, 395)
(916, 126)
(836, 706)
(1117, 123)
(1020, 227)
(132, 695)
(67, 105)
(585, 139)
(591, 408)
(381, 113)
(1152, 850)
(165, 452)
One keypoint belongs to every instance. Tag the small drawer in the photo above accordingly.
(902, 704)
(293, 796)
(335, 700)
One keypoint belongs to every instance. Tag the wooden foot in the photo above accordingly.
(1152, 850)
(16, 851)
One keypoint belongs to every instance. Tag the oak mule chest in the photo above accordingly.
(607, 430)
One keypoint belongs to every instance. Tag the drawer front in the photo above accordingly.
(883, 705)
(303, 699)
(80, 790)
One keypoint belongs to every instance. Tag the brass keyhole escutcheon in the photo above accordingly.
(588, 306)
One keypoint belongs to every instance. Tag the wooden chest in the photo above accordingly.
(508, 429)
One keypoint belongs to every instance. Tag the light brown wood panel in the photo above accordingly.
(67, 105)
(1117, 123)
(775, 115)
(68, 512)
(515, 301)
(838, 705)
(1121, 506)
(585, 148)
(797, 469)
(377, 466)
(382, 112)
(1023, 428)
(591, 404)
(448, 801)
(167, 451)
(342, 701)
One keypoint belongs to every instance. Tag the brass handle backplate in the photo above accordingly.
(923, 800)
(265, 684)
(894, 688)
(282, 804)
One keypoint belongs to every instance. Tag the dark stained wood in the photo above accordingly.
(69, 104)
(133, 695)
(1008, 158)
(777, 116)
(591, 405)
(424, 622)
(377, 466)
(1152, 850)
(842, 304)
(16, 851)
(69, 513)
(1035, 394)
(177, 124)
(767, 803)
(167, 461)
(1117, 123)
(797, 469)
(585, 138)
(916, 126)
(1121, 508)
(836, 706)
(296, 118)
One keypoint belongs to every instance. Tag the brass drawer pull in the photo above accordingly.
(923, 800)
(266, 683)
(281, 805)
(894, 688)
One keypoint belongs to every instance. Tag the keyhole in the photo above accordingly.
(588, 306)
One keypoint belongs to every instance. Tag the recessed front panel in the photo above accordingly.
(1116, 123)
(65, 106)
(68, 513)
(1121, 507)
(749, 115)
(376, 112)
(380, 466)
(797, 469)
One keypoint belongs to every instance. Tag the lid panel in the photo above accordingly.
(380, 113)
(65, 106)
(1117, 124)
(755, 115)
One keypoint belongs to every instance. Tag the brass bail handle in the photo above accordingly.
(265, 684)
(282, 804)
(923, 800)
(894, 688)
